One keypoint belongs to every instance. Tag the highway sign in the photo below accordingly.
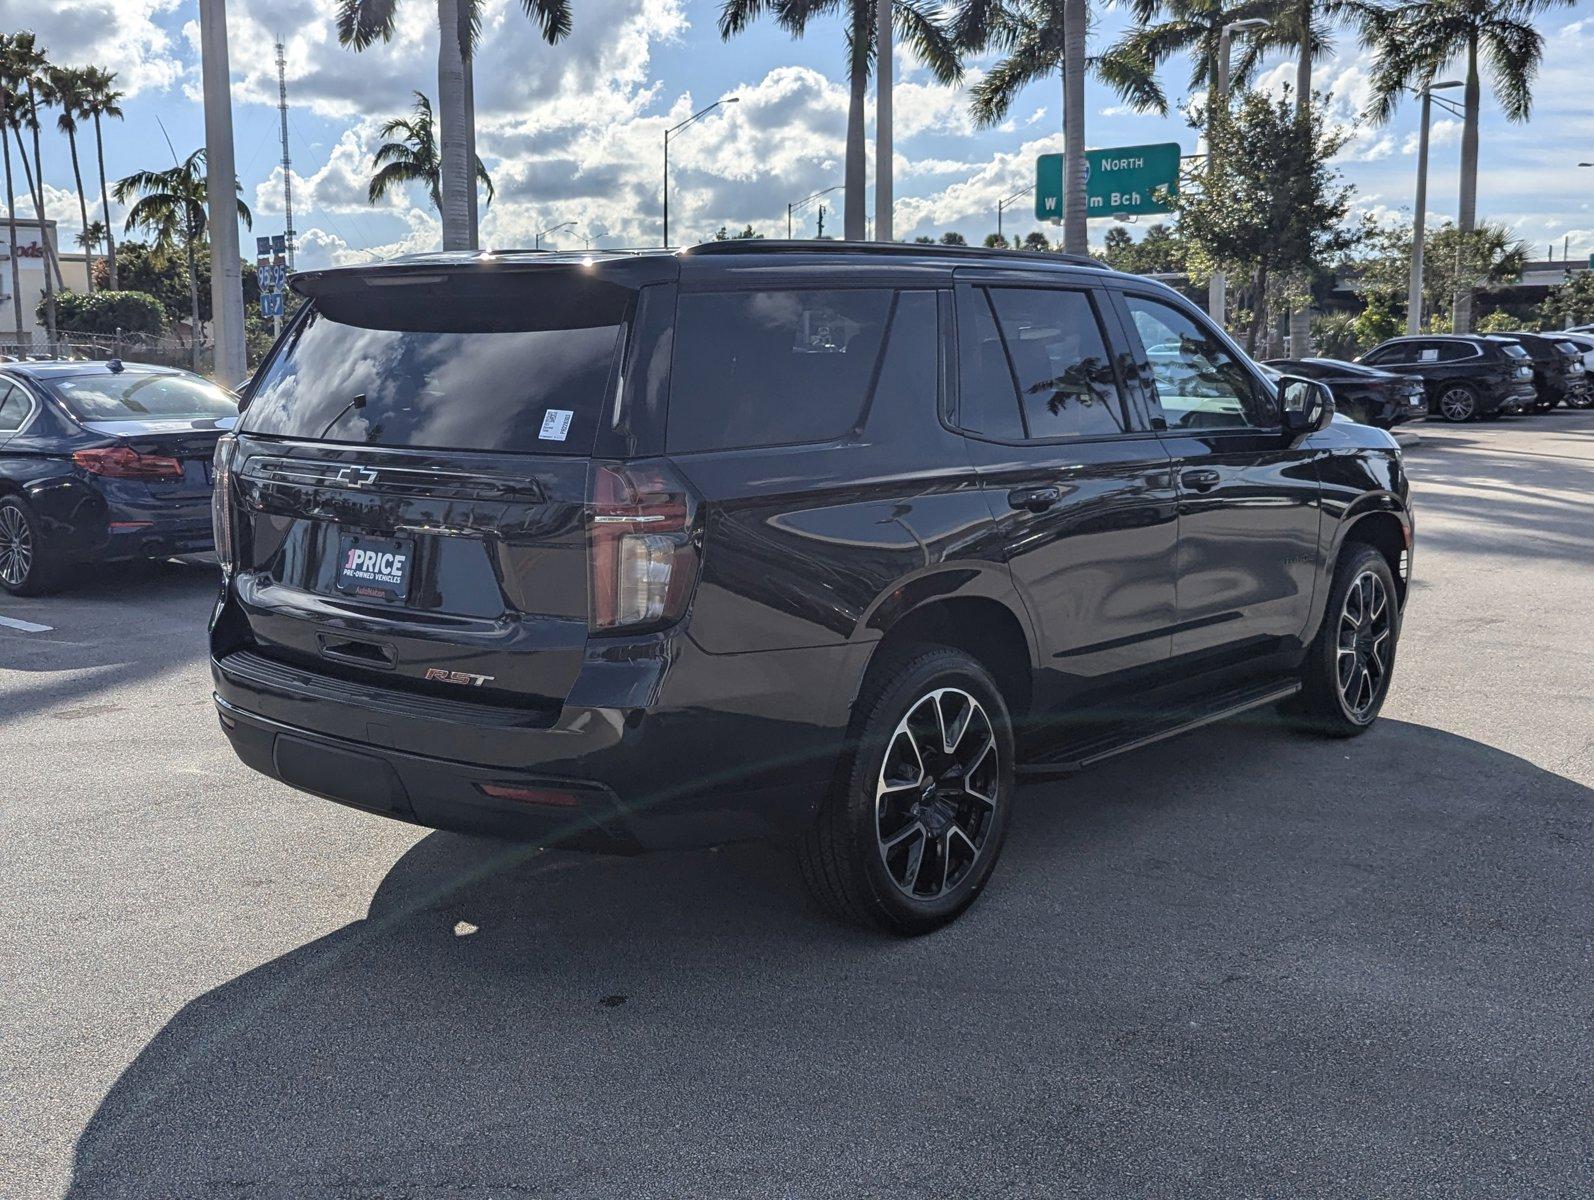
(271, 304)
(1120, 181)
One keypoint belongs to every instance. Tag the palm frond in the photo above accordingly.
(363, 23)
(921, 28)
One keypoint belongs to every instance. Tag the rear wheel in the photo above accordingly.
(1458, 402)
(1581, 400)
(912, 828)
(1348, 668)
(26, 565)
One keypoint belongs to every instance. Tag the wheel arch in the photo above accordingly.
(1386, 531)
(982, 626)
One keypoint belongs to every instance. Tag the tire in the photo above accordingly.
(1332, 701)
(872, 854)
(1457, 402)
(26, 565)
(1581, 401)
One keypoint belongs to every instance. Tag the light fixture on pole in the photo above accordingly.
(1414, 291)
(804, 203)
(537, 245)
(1001, 205)
(1217, 288)
(698, 115)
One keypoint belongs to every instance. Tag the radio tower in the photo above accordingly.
(287, 164)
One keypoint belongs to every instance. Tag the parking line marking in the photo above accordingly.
(25, 626)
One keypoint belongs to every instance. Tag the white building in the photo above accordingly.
(30, 277)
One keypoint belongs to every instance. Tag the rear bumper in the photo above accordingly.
(677, 748)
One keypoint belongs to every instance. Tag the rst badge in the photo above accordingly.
(464, 678)
(375, 568)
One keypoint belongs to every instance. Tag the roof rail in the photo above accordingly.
(885, 249)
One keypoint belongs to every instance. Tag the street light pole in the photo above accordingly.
(1002, 204)
(799, 205)
(221, 185)
(702, 112)
(537, 243)
(1217, 287)
(1419, 218)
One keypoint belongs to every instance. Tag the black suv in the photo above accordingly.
(1466, 377)
(1558, 374)
(838, 542)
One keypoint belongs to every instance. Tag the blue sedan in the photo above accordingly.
(103, 462)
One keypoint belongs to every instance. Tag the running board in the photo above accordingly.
(1068, 756)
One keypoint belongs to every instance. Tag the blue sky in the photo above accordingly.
(571, 133)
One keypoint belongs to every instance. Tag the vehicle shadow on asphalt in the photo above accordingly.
(1234, 959)
(100, 637)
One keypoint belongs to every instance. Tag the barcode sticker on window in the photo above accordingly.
(556, 424)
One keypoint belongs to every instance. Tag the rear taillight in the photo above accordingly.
(221, 500)
(123, 462)
(644, 563)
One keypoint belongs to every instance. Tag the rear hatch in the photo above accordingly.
(157, 415)
(412, 475)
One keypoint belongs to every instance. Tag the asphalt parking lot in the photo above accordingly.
(1245, 963)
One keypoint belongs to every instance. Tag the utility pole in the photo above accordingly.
(1218, 286)
(221, 184)
(287, 163)
(883, 166)
(1419, 218)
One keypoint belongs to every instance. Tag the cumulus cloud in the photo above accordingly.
(122, 35)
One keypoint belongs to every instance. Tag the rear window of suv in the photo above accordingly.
(513, 363)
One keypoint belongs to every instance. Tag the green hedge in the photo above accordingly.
(106, 312)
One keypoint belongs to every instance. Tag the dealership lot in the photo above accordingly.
(1241, 963)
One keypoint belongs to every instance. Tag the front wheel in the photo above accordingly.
(1458, 403)
(912, 828)
(1348, 668)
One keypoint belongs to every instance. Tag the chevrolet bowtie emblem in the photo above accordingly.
(356, 476)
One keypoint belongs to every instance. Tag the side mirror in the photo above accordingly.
(1307, 405)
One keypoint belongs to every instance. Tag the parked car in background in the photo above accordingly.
(101, 462)
(1366, 394)
(1466, 377)
(1558, 374)
(760, 539)
(1584, 343)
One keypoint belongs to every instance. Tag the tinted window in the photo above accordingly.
(14, 408)
(1065, 376)
(1455, 351)
(987, 400)
(910, 372)
(1390, 355)
(1200, 383)
(131, 396)
(772, 368)
(508, 364)
(1512, 350)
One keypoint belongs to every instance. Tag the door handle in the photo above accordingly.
(1034, 500)
(1200, 480)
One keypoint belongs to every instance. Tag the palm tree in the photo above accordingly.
(24, 65)
(8, 100)
(1194, 27)
(171, 206)
(104, 101)
(1412, 42)
(362, 23)
(92, 237)
(70, 87)
(914, 20)
(414, 158)
(1038, 38)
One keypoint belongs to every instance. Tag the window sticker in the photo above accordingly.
(556, 424)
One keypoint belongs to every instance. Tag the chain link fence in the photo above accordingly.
(101, 347)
